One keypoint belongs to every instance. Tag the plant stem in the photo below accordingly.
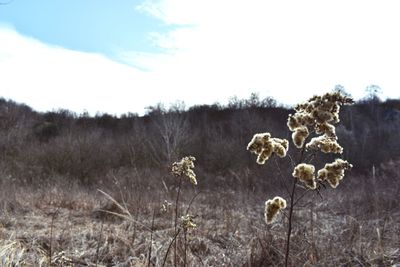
(53, 217)
(98, 244)
(289, 231)
(176, 218)
(184, 258)
(151, 238)
(51, 238)
(292, 204)
(169, 247)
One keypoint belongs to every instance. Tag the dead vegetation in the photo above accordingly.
(80, 227)
(53, 165)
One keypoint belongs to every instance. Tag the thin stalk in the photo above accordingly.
(51, 238)
(169, 247)
(151, 237)
(191, 201)
(292, 197)
(283, 181)
(184, 256)
(98, 244)
(185, 232)
(176, 218)
(289, 231)
(300, 197)
(53, 217)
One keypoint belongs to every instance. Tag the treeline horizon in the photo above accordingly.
(372, 92)
(62, 146)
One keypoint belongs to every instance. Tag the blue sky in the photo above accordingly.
(122, 56)
(99, 26)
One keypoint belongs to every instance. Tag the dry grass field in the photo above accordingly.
(72, 226)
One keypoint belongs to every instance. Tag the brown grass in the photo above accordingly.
(79, 228)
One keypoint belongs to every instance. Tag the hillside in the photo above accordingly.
(42, 146)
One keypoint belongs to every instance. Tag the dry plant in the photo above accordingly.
(228, 233)
(316, 116)
(182, 169)
(69, 225)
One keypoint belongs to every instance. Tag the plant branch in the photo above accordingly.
(300, 198)
(185, 244)
(283, 181)
(176, 217)
(169, 247)
(151, 237)
(292, 197)
(191, 201)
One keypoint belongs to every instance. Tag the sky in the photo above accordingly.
(122, 56)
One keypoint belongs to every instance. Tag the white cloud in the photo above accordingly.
(281, 48)
(49, 77)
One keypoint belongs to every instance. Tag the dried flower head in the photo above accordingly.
(320, 113)
(264, 146)
(322, 116)
(299, 136)
(281, 146)
(187, 222)
(266, 153)
(185, 168)
(334, 172)
(299, 119)
(326, 144)
(326, 128)
(256, 144)
(165, 206)
(293, 122)
(305, 173)
(272, 208)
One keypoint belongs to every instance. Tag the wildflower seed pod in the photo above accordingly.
(272, 208)
(264, 146)
(325, 144)
(184, 167)
(334, 172)
(187, 222)
(319, 112)
(165, 206)
(280, 146)
(326, 128)
(305, 173)
(299, 136)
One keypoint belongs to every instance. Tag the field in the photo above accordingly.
(77, 190)
(72, 226)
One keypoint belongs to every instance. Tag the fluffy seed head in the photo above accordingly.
(320, 112)
(293, 122)
(322, 116)
(325, 144)
(280, 146)
(272, 208)
(187, 222)
(257, 143)
(165, 206)
(299, 136)
(305, 173)
(267, 151)
(264, 146)
(334, 172)
(184, 167)
(326, 128)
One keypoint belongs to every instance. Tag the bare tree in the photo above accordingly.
(172, 131)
